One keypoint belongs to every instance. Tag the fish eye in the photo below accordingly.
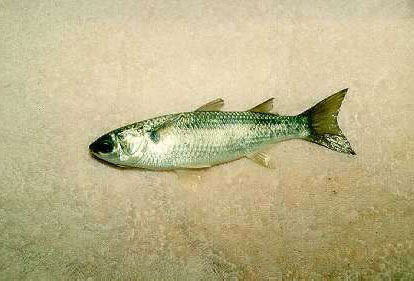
(105, 147)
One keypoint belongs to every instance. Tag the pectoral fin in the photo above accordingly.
(154, 136)
(154, 132)
(262, 158)
(214, 105)
(266, 106)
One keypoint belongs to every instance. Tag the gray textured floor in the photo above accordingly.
(72, 70)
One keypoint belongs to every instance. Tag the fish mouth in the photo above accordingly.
(98, 156)
(95, 154)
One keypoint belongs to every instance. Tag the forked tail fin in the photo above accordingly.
(324, 128)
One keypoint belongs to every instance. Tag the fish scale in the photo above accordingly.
(205, 138)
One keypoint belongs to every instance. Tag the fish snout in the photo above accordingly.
(92, 147)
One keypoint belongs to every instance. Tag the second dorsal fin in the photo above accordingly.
(265, 106)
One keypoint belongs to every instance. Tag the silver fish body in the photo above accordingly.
(201, 139)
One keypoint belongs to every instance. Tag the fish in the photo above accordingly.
(208, 136)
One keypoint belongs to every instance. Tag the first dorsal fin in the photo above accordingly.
(265, 106)
(214, 105)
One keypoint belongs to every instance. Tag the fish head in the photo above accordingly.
(105, 148)
(120, 148)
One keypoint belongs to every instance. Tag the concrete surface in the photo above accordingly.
(72, 70)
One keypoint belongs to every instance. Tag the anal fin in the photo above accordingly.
(262, 158)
